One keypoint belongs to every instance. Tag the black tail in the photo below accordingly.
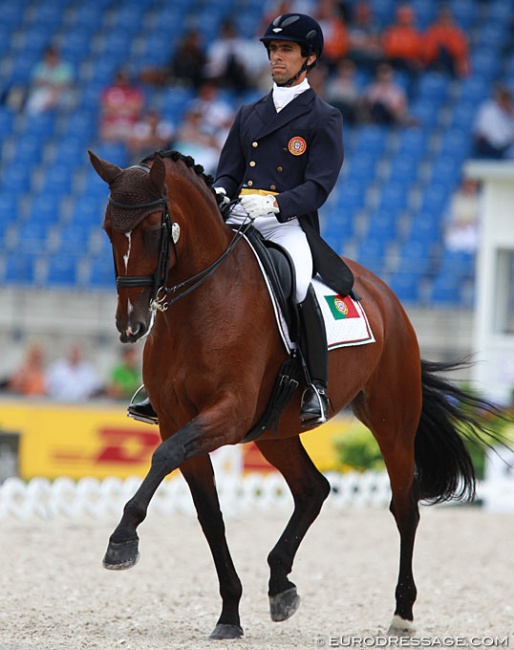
(444, 469)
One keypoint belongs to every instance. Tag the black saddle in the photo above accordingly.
(279, 268)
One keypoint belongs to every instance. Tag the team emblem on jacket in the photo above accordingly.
(296, 145)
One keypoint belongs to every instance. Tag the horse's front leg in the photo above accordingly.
(198, 437)
(199, 475)
(309, 489)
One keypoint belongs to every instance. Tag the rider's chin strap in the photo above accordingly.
(305, 67)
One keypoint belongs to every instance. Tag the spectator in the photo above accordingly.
(150, 134)
(51, 84)
(192, 139)
(229, 60)
(125, 377)
(446, 46)
(29, 378)
(462, 219)
(341, 91)
(335, 33)
(403, 43)
(121, 106)
(493, 131)
(364, 37)
(384, 100)
(72, 378)
(216, 114)
(186, 66)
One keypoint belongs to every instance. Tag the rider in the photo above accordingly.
(281, 159)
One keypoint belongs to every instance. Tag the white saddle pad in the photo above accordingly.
(345, 320)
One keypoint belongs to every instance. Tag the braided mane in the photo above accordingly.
(187, 160)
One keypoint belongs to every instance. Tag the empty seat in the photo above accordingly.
(45, 208)
(33, 237)
(371, 253)
(370, 140)
(101, 274)
(446, 291)
(383, 224)
(405, 286)
(62, 271)
(20, 269)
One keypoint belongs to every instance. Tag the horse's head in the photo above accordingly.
(138, 224)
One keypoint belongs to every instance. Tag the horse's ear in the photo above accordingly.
(106, 170)
(158, 174)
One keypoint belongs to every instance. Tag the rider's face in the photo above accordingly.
(286, 59)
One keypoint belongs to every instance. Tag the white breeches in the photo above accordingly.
(289, 235)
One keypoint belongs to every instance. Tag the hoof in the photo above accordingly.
(224, 631)
(401, 627)
(284, 605)
(120, 556)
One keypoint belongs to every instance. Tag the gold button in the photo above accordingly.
(255, 144)
(252, 163)
(273, 187)
(280, 169)
(249, 183)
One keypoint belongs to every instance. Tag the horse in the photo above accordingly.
(193, 287)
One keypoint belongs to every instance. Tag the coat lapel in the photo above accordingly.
(272, 121)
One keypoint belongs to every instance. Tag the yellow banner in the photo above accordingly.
(98, 440)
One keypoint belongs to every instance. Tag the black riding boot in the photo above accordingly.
(313, 346)
(142, 411)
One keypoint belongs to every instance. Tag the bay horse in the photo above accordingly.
(194, 289)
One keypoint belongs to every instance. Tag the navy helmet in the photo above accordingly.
(298, 28)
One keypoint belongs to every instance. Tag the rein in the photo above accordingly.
(169, 235)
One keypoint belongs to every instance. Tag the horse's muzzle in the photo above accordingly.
(132, 332)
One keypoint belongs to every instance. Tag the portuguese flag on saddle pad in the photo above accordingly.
(342, 308)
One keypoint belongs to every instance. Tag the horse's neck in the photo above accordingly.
(204, 236)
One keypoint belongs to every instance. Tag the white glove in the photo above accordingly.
(221, 196)
(257, 205)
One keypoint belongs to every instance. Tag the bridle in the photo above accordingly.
(170, 231)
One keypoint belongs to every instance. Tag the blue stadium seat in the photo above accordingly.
(45, 208)
(383, 223)
(101, 275)
(415, 257)
(394, 196)
(33, 237)
(8, 205)
(460, 264)
(16, 177)
(74, 238)
(58, 178)
(433, 86)
(62, 271)
(425, 228)
(20, 269)
(464, 13)
(371, 140)
(405, 286)
(371, 253)
(404, 168)
(446, 291)
(89, 210)
(6, 122)
(413, 141)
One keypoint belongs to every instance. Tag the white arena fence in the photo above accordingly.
(239, 493)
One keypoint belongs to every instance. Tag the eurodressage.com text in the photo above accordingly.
(412, 642)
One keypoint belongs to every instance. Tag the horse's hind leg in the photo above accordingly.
(394, 427)
(199, 475)
(309, 489)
